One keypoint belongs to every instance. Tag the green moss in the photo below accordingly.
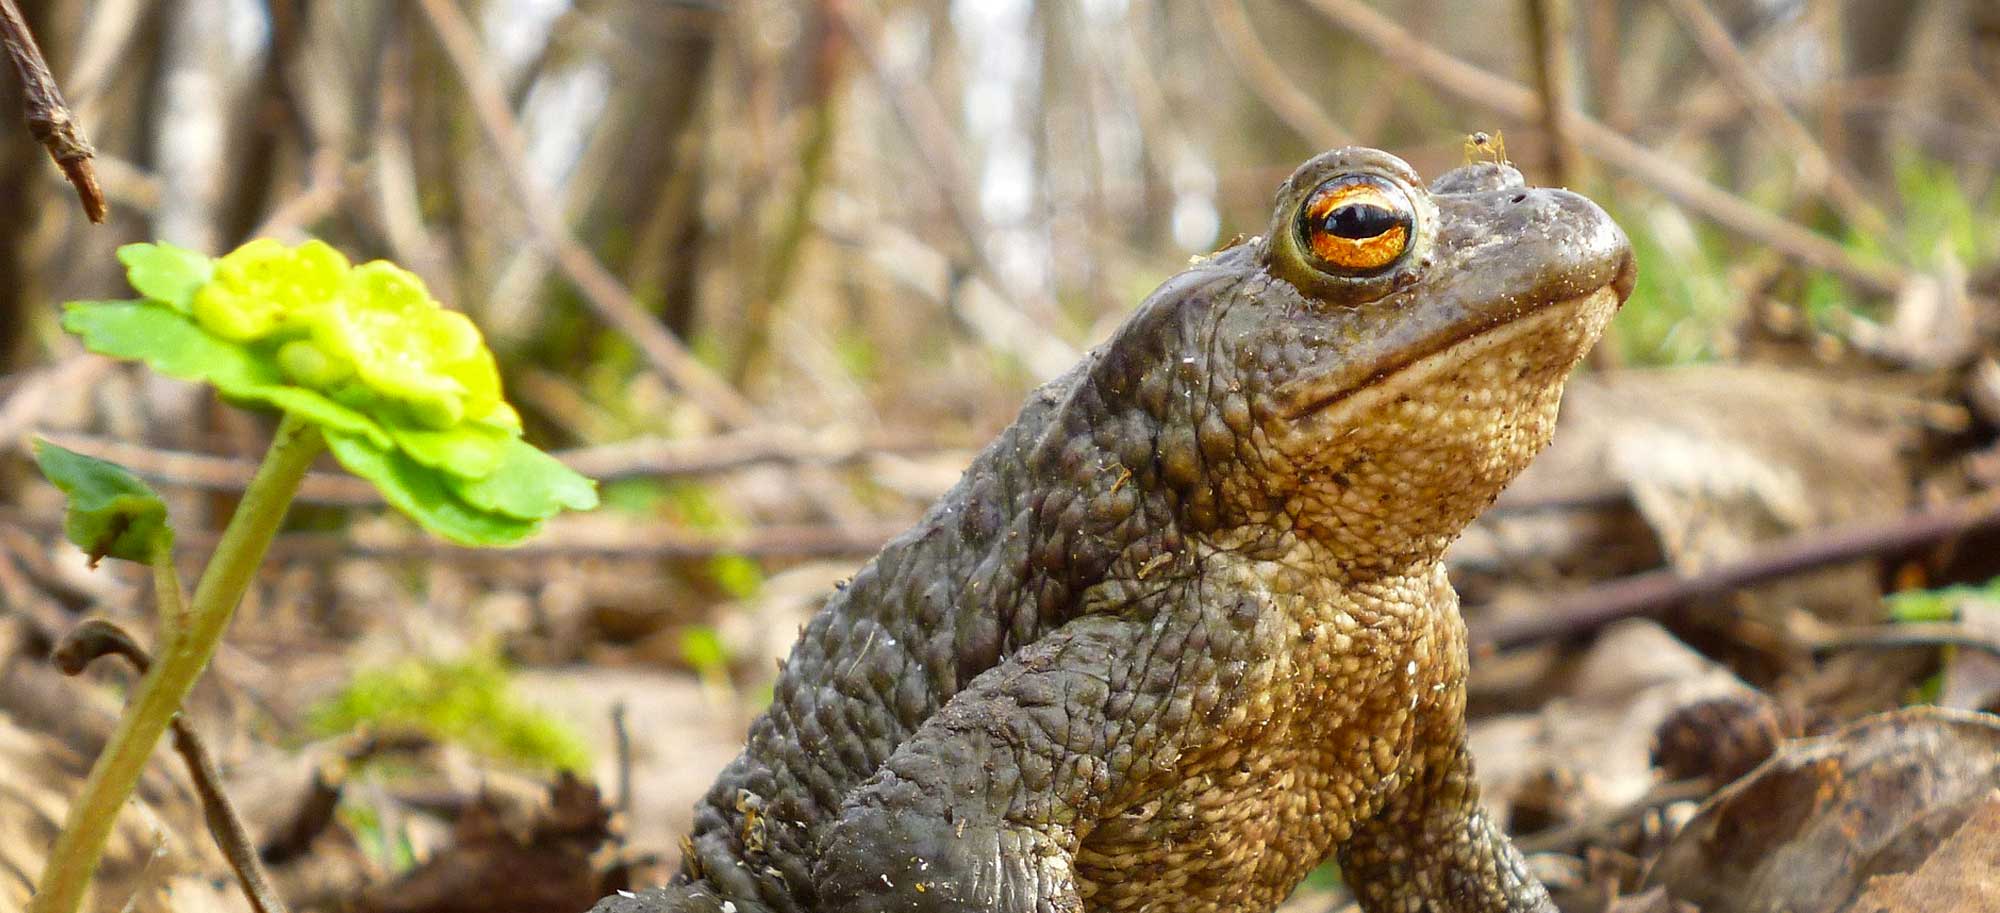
(467, 701)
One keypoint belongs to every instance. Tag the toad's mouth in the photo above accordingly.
(1570, 326)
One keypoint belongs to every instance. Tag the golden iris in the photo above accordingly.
(1357, 223)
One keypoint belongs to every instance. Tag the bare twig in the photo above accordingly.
(645, 457)
(1548, 27)
(1266, 78)
(1478, 87)
(1909, 634)
(328, 183)
(651, 541)
(1602, 53)
(1644, 594)
(720, 453)
(97, 637)
(918, 111)
(605, 294)
(50, 120)
(636, 541)
(1571, 837)
(1817, 169)
(23, 406)
(781, 262)
(622, 737)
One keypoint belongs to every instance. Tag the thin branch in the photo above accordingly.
(781, 262)
(50, 120)
(1548, 25)
(97, 637)
(23, 406)
(1266, 78)
(1570, 838)
(605, 294)
(642, 458)
(328, 182)
(622, 737)
(641, 541)
(218, 473)
(1592, 608)
(915, 106)
(647, 457)
(1475, 86)
(650, 541)
(1910, 634)
(1816, 168)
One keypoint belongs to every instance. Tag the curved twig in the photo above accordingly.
(1643, 594)
(1268, 80)
(96, 637)
(600, 288)
(50, 120)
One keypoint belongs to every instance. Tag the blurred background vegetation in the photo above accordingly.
(772, 268)
(841, 205)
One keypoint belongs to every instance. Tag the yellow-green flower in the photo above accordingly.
(405, 390)
(405, 347)
(265, 288)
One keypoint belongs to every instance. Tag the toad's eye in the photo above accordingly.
(1357, 224)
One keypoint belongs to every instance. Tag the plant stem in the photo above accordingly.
(237, 556)
(168, 598)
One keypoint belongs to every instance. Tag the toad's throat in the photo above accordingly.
(1470, 340)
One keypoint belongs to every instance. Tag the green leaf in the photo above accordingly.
(469, 450)
(173, 345)
(422, 494)
(529, 484)
(111, 512)
(165, 273)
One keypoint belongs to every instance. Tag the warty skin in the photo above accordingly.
(1182, 631)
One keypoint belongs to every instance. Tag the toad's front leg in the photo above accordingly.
(984, 807)
(1432, 848)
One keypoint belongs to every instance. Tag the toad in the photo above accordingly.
(1183, 631)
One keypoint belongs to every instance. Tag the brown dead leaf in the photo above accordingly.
(1721, 457)
(681, 737)
(1963, 876)
(489, 866)
(1597, 736)
(1720, 460)
(1972, 677)
(1805, 832)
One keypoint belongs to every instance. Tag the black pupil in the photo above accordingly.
(1360, 221)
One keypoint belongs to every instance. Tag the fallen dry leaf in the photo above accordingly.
(1963, 876)
(1806, 831)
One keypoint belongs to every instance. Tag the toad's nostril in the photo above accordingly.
(1518, 198)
